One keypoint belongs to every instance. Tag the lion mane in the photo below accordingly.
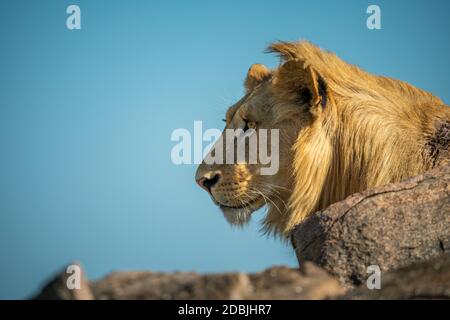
(371, 130)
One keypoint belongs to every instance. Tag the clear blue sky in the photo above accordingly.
(86, 118)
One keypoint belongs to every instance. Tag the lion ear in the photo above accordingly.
(298, 83)
(255, 75)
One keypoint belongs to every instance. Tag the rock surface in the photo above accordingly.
(424, 280)
(274, 283)
(428, 279)
(390, 226)
(58, 289)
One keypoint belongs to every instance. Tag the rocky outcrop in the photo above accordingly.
(391, 226)
(428, 279)
(275, 283)
(58, 287)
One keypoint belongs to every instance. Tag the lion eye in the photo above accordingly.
(249, 125)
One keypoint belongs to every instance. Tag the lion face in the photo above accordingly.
(239, 188)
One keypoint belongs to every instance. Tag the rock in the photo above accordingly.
(423, 280)
(389, 226)
(312, 283)
(428, 279)
(57, 288)
(274, 283)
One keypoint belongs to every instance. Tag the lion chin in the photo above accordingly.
(240, 216)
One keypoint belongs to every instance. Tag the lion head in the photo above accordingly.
(341, 130)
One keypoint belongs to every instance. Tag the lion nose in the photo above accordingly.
(208, 180)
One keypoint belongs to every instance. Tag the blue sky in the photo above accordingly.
(86, 118)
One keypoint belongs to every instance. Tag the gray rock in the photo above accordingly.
(390, 226)
(274, 283)
(311, 282)
(57, 288)
(423, 280)
(428, 279)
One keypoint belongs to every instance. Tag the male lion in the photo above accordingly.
(342, 130)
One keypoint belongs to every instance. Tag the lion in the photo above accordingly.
(342, 130)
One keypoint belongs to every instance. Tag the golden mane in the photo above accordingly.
(372, 132)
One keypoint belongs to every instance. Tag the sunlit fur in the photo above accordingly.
(370, 131)
(373, 132)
